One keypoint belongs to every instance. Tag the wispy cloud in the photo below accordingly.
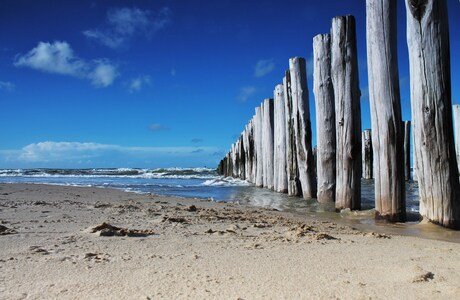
(7, 86)
(136, 84)
(157, 127)
(123, 24)
(245, 93)
(59, 58)
(263, 67)
(197, 151)
(197, 140)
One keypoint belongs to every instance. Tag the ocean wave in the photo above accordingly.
(227, 181)
(169, 173)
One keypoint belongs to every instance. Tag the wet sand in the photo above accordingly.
(54, 244)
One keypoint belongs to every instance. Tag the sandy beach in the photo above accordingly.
(92, 243)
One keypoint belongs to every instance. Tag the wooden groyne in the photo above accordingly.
(275, 150)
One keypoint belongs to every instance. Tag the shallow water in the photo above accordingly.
(206, 184)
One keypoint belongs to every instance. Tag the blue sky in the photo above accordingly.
(158, 83)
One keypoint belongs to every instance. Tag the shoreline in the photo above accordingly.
(362, 220)
(169, 247)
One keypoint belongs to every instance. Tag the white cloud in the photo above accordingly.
(53, 58)
(263, 67)
(75, 153)
(59, 58)
(245, 93)
(7, 86)
(136, 84)
(103, 74)
(51, 151)
(124, 23)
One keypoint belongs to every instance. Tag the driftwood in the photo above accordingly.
(325, 118)
(344, 70)
(280, 175)
(434, 150)
(407, 150)
(291, 163)
(302, 126)
(387, 130)
(367, 154)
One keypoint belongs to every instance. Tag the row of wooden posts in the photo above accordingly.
(275, 149)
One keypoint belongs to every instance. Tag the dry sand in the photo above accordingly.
(183, 248)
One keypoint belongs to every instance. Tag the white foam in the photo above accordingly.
(227, 181)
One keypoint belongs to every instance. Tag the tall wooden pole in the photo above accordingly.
(267, 143)
(368, 156)
(280, 174)
(325, 118)
(292, 169)
(407, 150)
(434, 150)
(248, 140)
(344, 70)
(302, 126)
(241, 159)
(387, 130)
(258, 147)
(234, 172)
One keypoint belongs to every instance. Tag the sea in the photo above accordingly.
(198, 183)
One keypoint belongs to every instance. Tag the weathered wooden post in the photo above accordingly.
(249, 150)
(245, 144)
(258, 142)
(280, 175)
(291, 153)
(367, 154)
(325, 118)
(387, 130)
(234, 160)
(344, 70)
(241, 158)
(267, 143)
(456, 112)
(407, 150)
(302, 126)
(229, 170)
(220, 168)
(434, 151)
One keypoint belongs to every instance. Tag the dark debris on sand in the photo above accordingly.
(109, 230)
